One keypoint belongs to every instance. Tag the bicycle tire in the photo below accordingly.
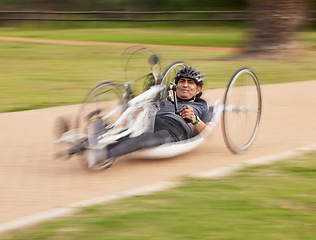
(168, 77)
(242, 110)
(100, 100)
(170, 72)
(135, 60)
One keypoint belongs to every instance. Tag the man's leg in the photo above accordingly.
(145, 140)
(164, 133)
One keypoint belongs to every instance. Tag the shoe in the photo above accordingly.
(95, 156)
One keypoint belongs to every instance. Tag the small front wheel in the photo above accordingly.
(242, 110)
(103, 104)
(100, 100)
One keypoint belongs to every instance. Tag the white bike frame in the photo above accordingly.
(137, 118)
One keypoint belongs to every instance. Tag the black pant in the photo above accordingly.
(166, 130)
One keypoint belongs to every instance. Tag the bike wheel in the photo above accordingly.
(104, 99)
(170, 72)
(242, 110)
(168, 77)
(142, 68)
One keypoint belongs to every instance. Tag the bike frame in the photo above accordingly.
(137, 118)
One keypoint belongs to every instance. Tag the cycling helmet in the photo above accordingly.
(189, 72)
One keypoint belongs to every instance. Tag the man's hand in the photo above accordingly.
(187, 112)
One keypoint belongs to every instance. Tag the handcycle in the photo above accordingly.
(131, 113)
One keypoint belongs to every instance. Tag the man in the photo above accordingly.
(169, 126)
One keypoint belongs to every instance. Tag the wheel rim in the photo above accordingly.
(141, 66)
(170, 72)
(241, 125)
(102, 98)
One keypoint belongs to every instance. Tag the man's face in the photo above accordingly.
(187, 88)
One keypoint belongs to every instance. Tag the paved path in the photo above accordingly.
(31, 180)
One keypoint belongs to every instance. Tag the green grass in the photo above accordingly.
(37, 75)
(197, 36)
(214, 36)
(263, 202)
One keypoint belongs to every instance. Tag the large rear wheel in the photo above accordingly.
(242, 110)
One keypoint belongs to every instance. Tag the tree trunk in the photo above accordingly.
(274, 25)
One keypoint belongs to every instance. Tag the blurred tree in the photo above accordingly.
(119, 5)
(274, 25)
(207, 5)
